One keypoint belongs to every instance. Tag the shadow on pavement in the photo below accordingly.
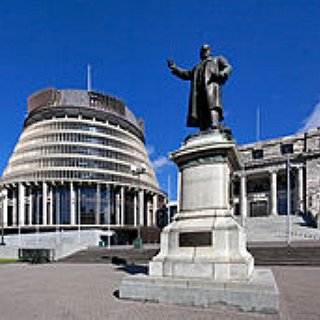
(133, 269)
(116, 294)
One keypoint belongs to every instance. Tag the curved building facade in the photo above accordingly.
(73, 164)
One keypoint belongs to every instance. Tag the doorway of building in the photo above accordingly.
(258, 209)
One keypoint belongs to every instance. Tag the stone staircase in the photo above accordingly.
(297, 254)
(276, 229)
(267, 242)
(265, 253)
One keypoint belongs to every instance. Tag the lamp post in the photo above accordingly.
(288, 203)
(79, 214)
(138, 171)
(109, 216)
(243, 191)
(2, 196)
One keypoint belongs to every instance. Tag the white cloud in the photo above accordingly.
(160, 162)
(151, 150)
(313, 121)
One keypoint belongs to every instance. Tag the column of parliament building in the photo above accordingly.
(73, 165)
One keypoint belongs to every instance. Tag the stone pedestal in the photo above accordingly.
(203, 258)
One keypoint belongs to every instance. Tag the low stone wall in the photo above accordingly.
(63, 243)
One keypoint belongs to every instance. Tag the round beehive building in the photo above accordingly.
(73, 164)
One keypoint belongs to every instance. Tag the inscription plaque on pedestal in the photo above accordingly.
(195, 239)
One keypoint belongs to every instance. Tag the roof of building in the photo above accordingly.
(53, 98)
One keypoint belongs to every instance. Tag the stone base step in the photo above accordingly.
(259, 294)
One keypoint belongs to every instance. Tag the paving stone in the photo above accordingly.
(86, 292)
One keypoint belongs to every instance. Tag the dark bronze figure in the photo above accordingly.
(207, 77)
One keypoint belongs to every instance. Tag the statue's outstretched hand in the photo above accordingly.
(171, 64)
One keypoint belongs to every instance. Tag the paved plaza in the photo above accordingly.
(86, 292)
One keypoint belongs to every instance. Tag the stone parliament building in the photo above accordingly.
(260, 189)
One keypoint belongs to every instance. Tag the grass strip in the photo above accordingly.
(9, 260)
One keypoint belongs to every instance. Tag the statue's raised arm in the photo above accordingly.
(179, 72)
(207, 77)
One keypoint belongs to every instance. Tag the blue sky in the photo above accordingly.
(273, 46)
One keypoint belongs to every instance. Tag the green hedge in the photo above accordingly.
(36, 255)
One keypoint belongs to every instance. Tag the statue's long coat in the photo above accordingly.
(205, 92)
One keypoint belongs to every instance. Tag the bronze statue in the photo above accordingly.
(207, 77)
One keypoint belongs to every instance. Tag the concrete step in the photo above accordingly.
(286, 255)
(117, 256)
(264, 254)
